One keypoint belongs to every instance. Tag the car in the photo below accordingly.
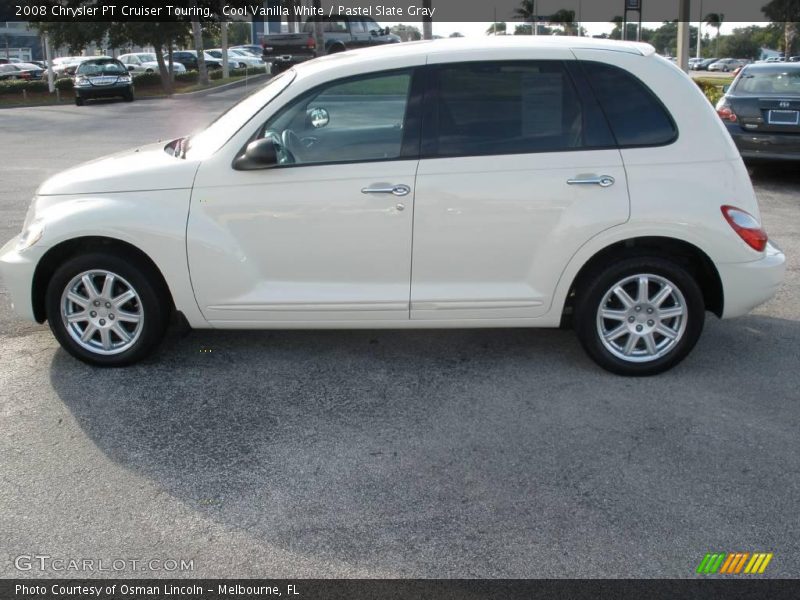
(10, 71)
(33, 70)
(794, 59)
(340, 32)
(102, 78)
(188, 58)
(253, 49)
(761, 110)
(549, 181)
(703, 64)
(146, 62)
(726, 65)
(237, 59)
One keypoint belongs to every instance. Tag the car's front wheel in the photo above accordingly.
(106, 310)
(639, 316)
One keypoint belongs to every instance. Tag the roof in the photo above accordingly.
(774, 67)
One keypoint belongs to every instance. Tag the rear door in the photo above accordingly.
(518, 169)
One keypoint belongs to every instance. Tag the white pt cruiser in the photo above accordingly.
(507, 182)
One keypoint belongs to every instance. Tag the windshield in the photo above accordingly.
(209, 140)
(769, 83)
(108, 66)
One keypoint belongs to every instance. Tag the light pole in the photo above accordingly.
(683, 34)
(700, 30)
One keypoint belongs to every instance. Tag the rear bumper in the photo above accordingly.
(287, 59)
(17, 269)
(765, 146)
(746, 285)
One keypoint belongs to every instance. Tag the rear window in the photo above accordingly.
(769, 83)
(637, 117)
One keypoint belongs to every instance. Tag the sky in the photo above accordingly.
(593, 28)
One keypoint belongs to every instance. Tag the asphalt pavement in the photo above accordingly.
(462, 453)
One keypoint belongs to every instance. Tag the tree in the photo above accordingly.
(407, 33)
(741, 43)
(786, 12)
(566, 19)
(715, 20)
(496, 28)
(527, 11)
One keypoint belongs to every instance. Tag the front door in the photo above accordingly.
(325, 236)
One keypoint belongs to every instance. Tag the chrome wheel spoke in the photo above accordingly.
(662, 295)
(616, 333)
(642, 289)
(105, 338)
(623, 297)
(630, 345)
(78, 317)
(615, 315)
(108, 285)
(88, 285)
(666, 331)
(670, 313)
(123, 298)
(119, 330)
(88, 333)
(79, 300)
(128, 317)
(650, 343)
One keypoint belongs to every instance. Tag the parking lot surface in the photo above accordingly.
(478, 453)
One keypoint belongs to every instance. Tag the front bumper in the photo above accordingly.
(17, 269)
(746, 285)
(104, 91)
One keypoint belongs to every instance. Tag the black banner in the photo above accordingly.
(737, 588)
(392, 10)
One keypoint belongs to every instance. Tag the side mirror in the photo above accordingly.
(725, 88)
(387, 31)
(318, 117)
(131, 67)
(259, 154)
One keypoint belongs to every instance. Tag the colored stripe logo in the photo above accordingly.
(734, 563)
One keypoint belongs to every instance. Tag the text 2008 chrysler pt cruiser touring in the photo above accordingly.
(502, 183)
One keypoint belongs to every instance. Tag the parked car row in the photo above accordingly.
(24, 71)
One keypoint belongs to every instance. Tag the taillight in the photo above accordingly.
(746, 226)
(311, 43)
(725, 111)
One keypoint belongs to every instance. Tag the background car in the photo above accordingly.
(726, 65)
(146, 62)
(253, 49)
(761, 111)
(703, 64)
(102, 78)
(237, 59)
(33, 70)
(188, 58)
(10, 72)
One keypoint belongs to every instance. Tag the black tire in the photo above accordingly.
(79, 101)
(597, 284)
(128, 97)
(155, 307)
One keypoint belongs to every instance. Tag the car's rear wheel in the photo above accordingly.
(639, 316)
(128, 97)
(106, 310)
(79, 101)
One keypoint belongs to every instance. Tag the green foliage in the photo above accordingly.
(711, 89)
(147, 79)
(189, 77)
(14, 86)
(215, 74)
(37, 87)
(65, 84)
(248, 71)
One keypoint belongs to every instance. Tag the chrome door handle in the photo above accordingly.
(602, 181)
(387, 188)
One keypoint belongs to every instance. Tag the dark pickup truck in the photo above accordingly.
(340, 33)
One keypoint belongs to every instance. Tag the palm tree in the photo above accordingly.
(715, 20)
(527, 12)
(566, 19)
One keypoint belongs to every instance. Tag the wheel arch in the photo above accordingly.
(67, 249)
(686, 254)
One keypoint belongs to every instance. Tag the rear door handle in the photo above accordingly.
(601, 180)
(387, 188)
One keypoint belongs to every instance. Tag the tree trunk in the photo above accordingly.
(197, 34)
(789, 35)
(170, 62)
(223, 35)
(319, 34)
(166, 78)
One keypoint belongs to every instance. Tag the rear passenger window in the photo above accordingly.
(637, 117)
(519, 107)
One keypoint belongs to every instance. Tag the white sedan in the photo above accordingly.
(530, 181)
(146, 62)
(237, 59)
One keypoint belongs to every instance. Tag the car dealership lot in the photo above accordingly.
(500, 453)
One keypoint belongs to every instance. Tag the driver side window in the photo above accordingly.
(353, 120)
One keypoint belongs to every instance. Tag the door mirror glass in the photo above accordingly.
(725, 88)
(318, 117)
(260, 154)
(131, 67)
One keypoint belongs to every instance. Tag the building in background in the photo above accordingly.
(18, 40)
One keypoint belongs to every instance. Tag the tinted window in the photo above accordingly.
(359, 119)
(102, 67)
(636, 115)
(769, 82)
(504, 108)
(357, 27)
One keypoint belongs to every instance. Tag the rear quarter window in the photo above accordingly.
(636, 116)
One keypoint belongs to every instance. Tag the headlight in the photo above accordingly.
(82, 82)
(125, 78)
(30, 235)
